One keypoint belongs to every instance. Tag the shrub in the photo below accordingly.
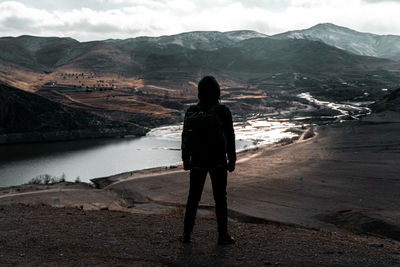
(47, 179)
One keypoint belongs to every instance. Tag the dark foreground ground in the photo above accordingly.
(42, 235)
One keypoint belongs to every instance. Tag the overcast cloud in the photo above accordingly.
(103, 19)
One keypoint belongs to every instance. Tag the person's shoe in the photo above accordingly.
(225, 239)
(185, 238)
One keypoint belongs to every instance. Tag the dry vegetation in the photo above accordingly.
(117, 97)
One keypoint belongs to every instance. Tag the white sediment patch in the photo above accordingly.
(251, 133)
(263, 131)
(348, 109)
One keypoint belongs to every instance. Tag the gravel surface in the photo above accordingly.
(42, 235)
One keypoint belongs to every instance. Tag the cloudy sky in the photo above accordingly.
(102, 19)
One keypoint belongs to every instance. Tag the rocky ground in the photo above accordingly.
(41, 235)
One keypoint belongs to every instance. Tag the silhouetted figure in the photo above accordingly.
(208, 139)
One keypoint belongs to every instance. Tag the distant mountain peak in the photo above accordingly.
(244, 34)
(359, 43)
(328, 25)
(333, 27)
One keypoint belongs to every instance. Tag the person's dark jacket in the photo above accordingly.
(211, 154)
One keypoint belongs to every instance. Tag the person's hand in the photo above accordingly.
(231, 166)
(186, 165)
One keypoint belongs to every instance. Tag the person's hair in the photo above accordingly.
(208, 90)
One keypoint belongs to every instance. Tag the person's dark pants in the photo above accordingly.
(218, 179)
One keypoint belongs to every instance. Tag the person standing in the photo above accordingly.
(208, 146)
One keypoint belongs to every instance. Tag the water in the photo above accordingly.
(89, 159)
(85, 159)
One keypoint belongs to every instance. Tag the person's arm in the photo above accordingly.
(185, 146)
(229, 132)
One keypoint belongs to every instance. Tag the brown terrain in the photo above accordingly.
(148, 102)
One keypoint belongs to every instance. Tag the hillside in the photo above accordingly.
(29, 117)
(359, 43)
(110, 56)
(266, 54)
(41, 54)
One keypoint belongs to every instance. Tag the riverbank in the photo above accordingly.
(289, 200)
(58, 136)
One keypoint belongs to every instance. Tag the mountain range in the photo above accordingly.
(321, 48)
